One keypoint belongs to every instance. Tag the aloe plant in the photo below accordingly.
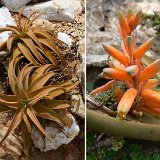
(32, 98)
(35, 60)
(36, 43)
(127, 66)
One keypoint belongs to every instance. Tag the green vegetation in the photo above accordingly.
(152, 20)
(126, 151)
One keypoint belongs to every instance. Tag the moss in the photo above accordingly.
(151, 20)
(108, 98)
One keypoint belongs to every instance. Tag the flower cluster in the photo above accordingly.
(127, 66)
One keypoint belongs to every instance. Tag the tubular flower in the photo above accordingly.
(127, 66)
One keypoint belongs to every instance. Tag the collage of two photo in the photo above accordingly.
(79, 80)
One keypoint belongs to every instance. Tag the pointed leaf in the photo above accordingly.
(123, 22)
(103, 88)
(34, 119)
(42, 92)
(126, 102)
(41, 81)
(45, 112)
(26, 139)
(9, 101)
(116, 54)
(150, 71)
(143, 48)
(150, 95)
(55, 104)
(15, 123)
(10, 41)
(33, 49)
(116, 74)
(24, 49)
(53, 47)
(40, 71)
(48, 55)
(65, 89)
(10, 29)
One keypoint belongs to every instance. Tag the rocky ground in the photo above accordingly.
(67, 20)
(102, 26)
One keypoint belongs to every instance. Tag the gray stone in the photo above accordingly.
(65, 38)
(102, 23)
(96, 60)
(15, 5)
(5, 19)
(56, 10)
(149, 6)
(81, 65)
(70, 8)
(57, 136)
(77, 105)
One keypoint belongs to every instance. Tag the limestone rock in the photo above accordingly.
(81, 65)
(44, 24)
(56, 10)
(15, 5)
(5, 19)
(102, 25)
(65, 38)
(57, 137)
(69, 8)
(96, 60)
(149, 7)
(77, 105)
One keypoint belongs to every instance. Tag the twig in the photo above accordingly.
(96, 106)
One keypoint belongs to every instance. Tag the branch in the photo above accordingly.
(101, 122)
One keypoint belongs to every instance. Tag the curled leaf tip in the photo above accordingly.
(150, 71)
(126, 101)
(121, 115)
(143, 48)
(116, 54)
(132, 70)
(103, 88)
(129, 40)
(123, 22)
